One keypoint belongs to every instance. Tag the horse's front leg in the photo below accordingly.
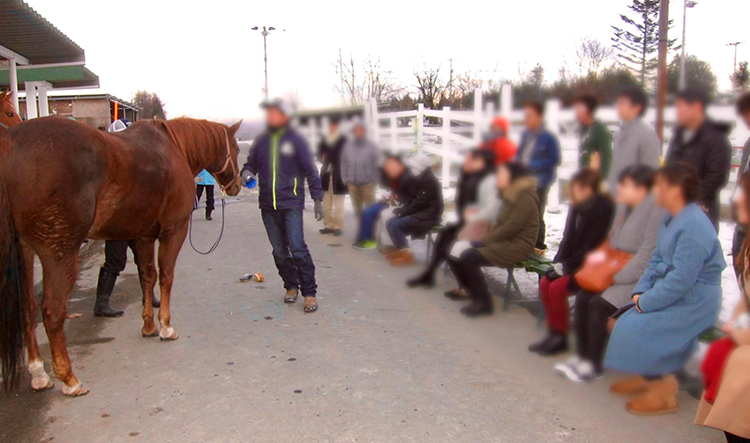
(147, 274)
(170, 243)
(59, 271)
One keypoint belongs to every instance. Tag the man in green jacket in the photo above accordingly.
(595, 148)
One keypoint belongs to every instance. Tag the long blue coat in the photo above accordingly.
(681, 297)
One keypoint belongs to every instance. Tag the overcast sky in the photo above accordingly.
(206, 62)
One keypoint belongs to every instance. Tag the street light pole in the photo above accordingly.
(735, 44)
(683, 78)
(661, 70)
(265, 32)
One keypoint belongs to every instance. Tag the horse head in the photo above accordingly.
(228, 175)
(8, 115)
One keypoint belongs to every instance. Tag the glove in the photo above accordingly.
(248, 179)
(319, 212)
(554, 272)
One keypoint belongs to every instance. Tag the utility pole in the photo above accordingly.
(661, 71)
(341, 77)
(687, 4)
(735, 44)
(265, 32)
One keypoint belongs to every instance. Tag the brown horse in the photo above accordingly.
(62, 182)
(8, 115)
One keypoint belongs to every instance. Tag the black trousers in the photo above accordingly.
(209, 195)
(116, 255)
(442, 247)
(543, 194)
(591, 316)
(731, 438)
(468, 272)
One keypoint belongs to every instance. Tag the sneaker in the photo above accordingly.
(326, 231)
(582, 372)
(338, 233)
(563, 366)
(364, 245)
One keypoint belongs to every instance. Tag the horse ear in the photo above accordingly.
(4, 95)
(235, 127)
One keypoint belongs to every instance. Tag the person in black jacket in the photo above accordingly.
(589, 218)
(703, 144)
(422, 213)
(477, 200)
(329, 152)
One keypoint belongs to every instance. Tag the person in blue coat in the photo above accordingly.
(539, 151)
(282, 161)
(677, 297)
(204, 181)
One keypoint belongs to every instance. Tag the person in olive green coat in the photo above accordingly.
(510, 240)
(595, 148)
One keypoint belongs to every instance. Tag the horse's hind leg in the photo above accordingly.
(147, 274)
(60, 273)
(39, 378)
(170, 243)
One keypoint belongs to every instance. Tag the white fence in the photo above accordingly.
(447, 133)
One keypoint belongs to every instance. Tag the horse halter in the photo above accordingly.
(228, 162)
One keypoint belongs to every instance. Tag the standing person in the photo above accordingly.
(740, 229)
(281, 159)
(676, 298)
(595, 147)
(634, 231)
(205, 181)
(636, 143)
(725, 403)
(422, 212)
(329, 152)
(360, 163)
(589, 218)
(115, 258)
(539, 150)
(510, 240)
(498, 141)
(704, 144)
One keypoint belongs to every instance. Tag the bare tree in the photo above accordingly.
(379, 83)
(149, 105)
(349, 89)
(430, 88)
(591, 55)
(294, 99)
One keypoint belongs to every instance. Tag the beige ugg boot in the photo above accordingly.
(660, 398)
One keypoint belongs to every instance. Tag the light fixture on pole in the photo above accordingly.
(265, 31)
(683, 79)
(735, 44)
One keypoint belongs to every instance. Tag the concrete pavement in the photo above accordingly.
(376, 363)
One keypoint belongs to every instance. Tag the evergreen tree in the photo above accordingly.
(149, 105)
(698, 74)
(741, 78)
(637, 43)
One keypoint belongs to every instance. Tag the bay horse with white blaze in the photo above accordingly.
(62, 182)
(8, 115)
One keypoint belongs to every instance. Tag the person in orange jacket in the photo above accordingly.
(497, 140)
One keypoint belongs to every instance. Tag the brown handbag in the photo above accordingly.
(597, 275)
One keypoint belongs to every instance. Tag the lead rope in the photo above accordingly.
(221, 233)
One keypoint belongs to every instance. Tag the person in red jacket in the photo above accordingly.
(497, 140)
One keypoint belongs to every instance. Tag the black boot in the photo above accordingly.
(536, 347)
(425, 279)
(104, 289)
(154, 301)
(556, 345)
(477, 308)
(208, 214)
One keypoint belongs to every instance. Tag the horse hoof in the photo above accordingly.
(75, 391)
(40, 384)
(152, 334)
(168, 334)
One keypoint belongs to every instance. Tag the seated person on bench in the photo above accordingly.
(420, 215)
(510, 240)
(589, 217)
(477, 206)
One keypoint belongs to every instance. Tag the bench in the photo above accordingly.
(534, 264)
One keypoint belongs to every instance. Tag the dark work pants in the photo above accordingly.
(209, 195)
(468, 272)
(591, 316)
(116, 255)
(542, 193)
(442, 247)
(293, 260)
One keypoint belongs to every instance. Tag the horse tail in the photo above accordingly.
(13, 287)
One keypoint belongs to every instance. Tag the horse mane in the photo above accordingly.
(193, 137)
